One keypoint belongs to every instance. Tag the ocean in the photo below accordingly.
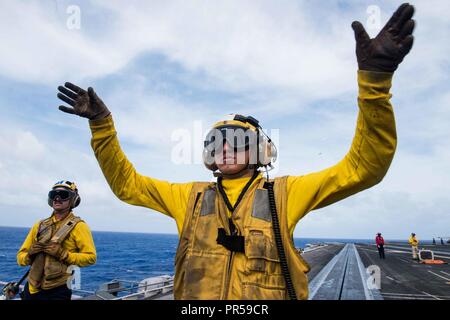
(125, 256)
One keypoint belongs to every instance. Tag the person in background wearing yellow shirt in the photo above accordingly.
(236, 234)
(55, 243)
(414, 246)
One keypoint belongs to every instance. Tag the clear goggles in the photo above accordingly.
(236, 137)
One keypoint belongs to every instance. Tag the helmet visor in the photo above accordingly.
(63, 194)
(236, 137)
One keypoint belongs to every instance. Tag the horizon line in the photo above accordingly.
(176, 234)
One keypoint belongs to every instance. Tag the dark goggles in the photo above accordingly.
(236, 137)
(63, 194)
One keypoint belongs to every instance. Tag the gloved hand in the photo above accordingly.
(35, 248)
(386, 51)
(56, 250)
(10, 290)
(86, 104)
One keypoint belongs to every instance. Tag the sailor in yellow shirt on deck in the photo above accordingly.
(414, 246)
(236, 234)
(53, 244)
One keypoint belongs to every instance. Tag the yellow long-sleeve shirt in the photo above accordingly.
(79, 244)
(413, 241)
(365, 164)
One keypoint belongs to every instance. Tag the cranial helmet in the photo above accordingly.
(241, 133)
(69, 186)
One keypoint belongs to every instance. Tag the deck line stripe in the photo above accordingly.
(319, 279)
(372, 294)
(438, 275)
(445, 253)
(409, 298)
(431, 295)
(413, 295)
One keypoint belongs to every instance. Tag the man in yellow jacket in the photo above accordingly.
(236, 234)
(55, 243)
(414, 242)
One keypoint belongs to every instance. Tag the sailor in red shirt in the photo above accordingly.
(380, 245)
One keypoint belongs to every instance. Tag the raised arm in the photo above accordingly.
(369, 156)
(126, 183)
(375, 139)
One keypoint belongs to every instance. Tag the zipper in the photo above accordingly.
(227, 280)
(190, 218)
(233, 232)
(196, 200)
(236, 231)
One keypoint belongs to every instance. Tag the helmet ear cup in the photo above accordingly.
(208, 159)
(267, 151)
(76, 201)
(212, 167)
(273, 152)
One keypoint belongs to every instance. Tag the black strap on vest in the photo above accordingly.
(279, 242)
(241, 195)
(232, 242)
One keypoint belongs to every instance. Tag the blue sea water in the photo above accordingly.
(126, 256)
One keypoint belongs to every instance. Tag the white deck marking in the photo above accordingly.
(445, 257)
(445, 253)
(404, 260)
(431, 295)
(413, 295)
(403, 294)
(407, 298)
(319, 279)
(364, 277)
(438, 275)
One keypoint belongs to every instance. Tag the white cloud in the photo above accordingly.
(23, 145)
(236, 45)
(278, 60)
(395, 214)
(41, 49)
(29, 171)
(255, 45)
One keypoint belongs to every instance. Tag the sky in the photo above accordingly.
(166, 68)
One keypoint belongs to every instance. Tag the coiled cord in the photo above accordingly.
(279, 242)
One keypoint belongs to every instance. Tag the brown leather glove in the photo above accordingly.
(85, 104)
(56, 250)
(35, 248)
(386, 51)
